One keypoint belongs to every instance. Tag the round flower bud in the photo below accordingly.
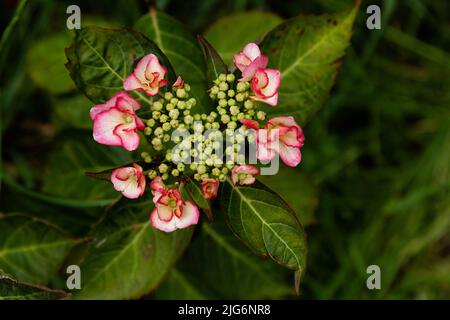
(187, 87)
(222, 178)
(168, 96)
(180, 167)
(221, 95)
(225, 118)
(241, 87)
(159, 132)
(230, 77)
(231, 93)
(201, 169)
(163, 168)
(248, 104)
(181, 93)
(261, 115)
(188, 119)
(169, 107)
(204, 176)
(239, 97)
(156, 115)
(166, 138)
(192, 102)
(234, 110)
(174, 113)
(222, 77)
(152, 174)
(216, 172)
(166, 126)
(174, 101)
(231, 102)
(223, 86)
(156, 106)
(232, 125)
(214, 90)
(175, 173)
(169, 156)
(197, 177)
(156, 142)
(225, 170)
(215, 125)
(193, 166)
(165, 176)
(151, 122)
(147, 131)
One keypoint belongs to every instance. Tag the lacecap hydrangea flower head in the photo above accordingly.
(206, 147)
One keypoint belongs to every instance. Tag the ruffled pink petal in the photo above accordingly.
(157, 184)
(241, 61)
(132, 83)
(290, 156)
(291, 138)
(273, 83)
(251, 50)
(104, 125)
(190, 216)
(128, 136)
(161, 225)
(209, 188)
(263, 153)
(129, 181)
(164, 213)
(251, 124)
(139, 124)
(272, 101)
(142, 66)
(179, 83)
(249, 71)
(155, 66)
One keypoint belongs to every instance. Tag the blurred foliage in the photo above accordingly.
(373, 184)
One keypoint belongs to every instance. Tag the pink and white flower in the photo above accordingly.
(129, 180)
(171, 212)
(209, 187)
(179, 83)
(249, 60)
(116, 123)
(265, 84)
(148, 76)
(244, 174)
(280, 135)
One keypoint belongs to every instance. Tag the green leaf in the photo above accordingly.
(296, 189)
(74, 111)
(261, 219)
(31, 249)
(12, 289)
(71, 159)
(45, 64)
(100, 59)
(307, 50)
(128, 257)
(214, 63)
(191, 190)
(232, 270)
(230, 34)
(182, 50)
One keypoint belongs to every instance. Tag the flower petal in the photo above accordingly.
(128, 136)
(104, 125)
(290, 156)
(273, 101)
(189, 216)
(251, 50)
(132, 83)
(161, 225)
(249, 71)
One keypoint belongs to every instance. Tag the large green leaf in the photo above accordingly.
(182, 50)
(214, 63)
(218, 266)
(71, 159)
(45, 63)
(230, 34)
(261, 219)
(128, 257)
(12, 289)
(73, 110)
(100, 59)
(32, 250)
(296, 189)
(307, 51)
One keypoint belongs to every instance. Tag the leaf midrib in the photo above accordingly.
(248, 202)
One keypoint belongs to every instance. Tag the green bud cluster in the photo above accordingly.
(199, 155)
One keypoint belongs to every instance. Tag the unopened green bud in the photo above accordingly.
(222, 77)
(223, 103)
(175, 172)
(241, 87)
(147, 131)
(223, 86)
(168, 96)
(151, 122)
(157, 106)
(261, 115)
(230, 77)
(152, 174)
(163, 168)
